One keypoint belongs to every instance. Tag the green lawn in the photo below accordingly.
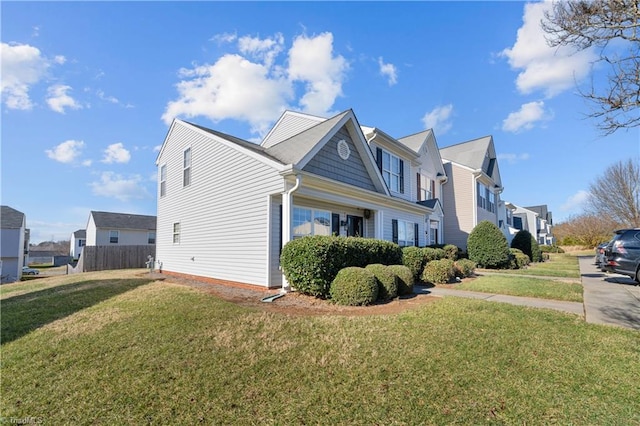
(523, 286)
(559, 265)
(126, 351)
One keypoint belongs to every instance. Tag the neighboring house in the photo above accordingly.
(505, 219)
(226, 206)
(544, 225)
(13, 244)
(78, 241)
(472, 192)
(106, 228)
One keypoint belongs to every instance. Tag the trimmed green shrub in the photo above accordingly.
(451, 252)
(414, 259)
(432, 253)
(487, 246)
(311, 263)
(387, 281)
(405, 279)
(518, 260)
(438, 271)
(464, 268)
(536, 253)
(354, 286)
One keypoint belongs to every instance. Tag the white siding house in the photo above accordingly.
(226, 206)
(12, 244)
(77, 242)
(107, 228)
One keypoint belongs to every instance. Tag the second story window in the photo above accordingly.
(186, 167)
(392, 169)
(426, 188)
(163, 180)
(486, 198)
(114, 237)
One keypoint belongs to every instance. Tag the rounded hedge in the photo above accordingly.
(487, 246)
(414, 259)
(354, 286)
(464, 268)
(433, 253)
(405, 279)
(438, 271)
(387, 281)
(311, 263)
(518, 259)
(526, 243)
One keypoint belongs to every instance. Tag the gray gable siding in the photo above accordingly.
(328, 163)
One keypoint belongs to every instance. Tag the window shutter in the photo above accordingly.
(416, 236)
(418, 186)
(401, 176)
(335, 223)
(379, 158)
(394, 230)
(433, 189)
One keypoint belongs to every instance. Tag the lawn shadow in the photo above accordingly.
(27, 312)
(623, 317)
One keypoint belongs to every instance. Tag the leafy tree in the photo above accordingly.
(487, 246)
(616, 194)
(585, 230)
(611, 26)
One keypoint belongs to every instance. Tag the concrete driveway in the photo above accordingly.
(611, 299)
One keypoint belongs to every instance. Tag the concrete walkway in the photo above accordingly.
(610, 299)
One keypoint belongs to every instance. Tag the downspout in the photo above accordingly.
(287, 207)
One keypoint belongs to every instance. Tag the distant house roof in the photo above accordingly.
(123, 221)
(470, 154)
(80, 233)
(11, 218)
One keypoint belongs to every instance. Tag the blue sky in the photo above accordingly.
(90, 88)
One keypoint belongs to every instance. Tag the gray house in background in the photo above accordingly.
(472, 192)
(78, 241)
(13, 244)
(124, 229)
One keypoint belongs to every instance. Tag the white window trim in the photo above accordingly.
(149, 237)
(390, 172)
(117, 236)
(314, 213)
(409, 229)
(186, 167)
(163, 180)
(176, 233)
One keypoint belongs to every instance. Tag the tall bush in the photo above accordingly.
(387, 281)
(487, 246)
(311, 263)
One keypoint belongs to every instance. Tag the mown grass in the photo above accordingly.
(159, 353)
(559, 265)
(524, 286)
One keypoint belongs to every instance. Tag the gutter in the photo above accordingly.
(287, 207)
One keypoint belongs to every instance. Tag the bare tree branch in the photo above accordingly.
(614, 27)
(616, 194)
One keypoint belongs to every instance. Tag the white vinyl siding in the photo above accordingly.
(224, 216)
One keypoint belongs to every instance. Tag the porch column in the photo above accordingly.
(379, 224)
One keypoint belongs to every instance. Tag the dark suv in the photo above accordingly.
(623, 253)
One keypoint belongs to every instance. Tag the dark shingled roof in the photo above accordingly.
(10, 218)
(80, 233)
(124, 221)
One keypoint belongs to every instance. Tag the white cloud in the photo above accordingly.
(22, 67)
(575, 202)
(116, 153)
(388, 70)
(439, 119)
(58, 99)
(265, 50)
(525, 118)
(157, 148)
(115, 186)
(66, 152)
(104, 97)
(311, 60)
(252, 87)
(549, 69)
(513, 158)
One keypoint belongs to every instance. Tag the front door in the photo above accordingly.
(355, 226)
